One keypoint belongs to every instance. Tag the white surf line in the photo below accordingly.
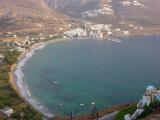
(21, 83)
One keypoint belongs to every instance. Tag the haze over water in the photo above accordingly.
(66, 74)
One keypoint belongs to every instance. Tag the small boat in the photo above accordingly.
(81, 104)
(114, 39)
(93, 103)
(61, 104)
(55, 82)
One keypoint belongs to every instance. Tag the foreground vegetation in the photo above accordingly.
(129, 110)
(150, 109)
(8, 97)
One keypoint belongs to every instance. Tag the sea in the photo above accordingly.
(78, 74)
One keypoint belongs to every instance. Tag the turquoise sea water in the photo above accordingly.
(66, 74)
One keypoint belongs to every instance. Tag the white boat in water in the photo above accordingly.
(114, 39)
(55, 82)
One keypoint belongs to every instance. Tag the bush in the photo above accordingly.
(11, 57)
(31, 114)
(16, 116)
(122, 113)
(7, 96)
(149, 109)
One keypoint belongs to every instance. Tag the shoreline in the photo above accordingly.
(18, 83)
(24, 56)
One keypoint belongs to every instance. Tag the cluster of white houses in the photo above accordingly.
(94, 31)
(151, 94)
(101, 31)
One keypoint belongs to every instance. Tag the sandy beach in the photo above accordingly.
(18, 83)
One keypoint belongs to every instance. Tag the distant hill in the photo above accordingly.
(34, 8)
(144, 12)
(141, 11)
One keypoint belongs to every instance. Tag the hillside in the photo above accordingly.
(128, 15)
(144, 12)
(24, 15)
(72, 7)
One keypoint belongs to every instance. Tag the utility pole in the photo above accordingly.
(92, 114)
(71, 116)
(75, 114)
(97, 115)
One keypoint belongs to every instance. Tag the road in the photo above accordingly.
(110, 116)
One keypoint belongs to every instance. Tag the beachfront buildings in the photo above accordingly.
(93, 31)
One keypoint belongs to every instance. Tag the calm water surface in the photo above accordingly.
(66, 74)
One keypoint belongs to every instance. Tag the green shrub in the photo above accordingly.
(11, 57)
(16, 116)
(7, 96)
(31, 114)
(122, 113)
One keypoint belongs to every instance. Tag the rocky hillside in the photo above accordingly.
(127, 15)
(72, 7)
(34, 8)
(144, 12)
(28, 15)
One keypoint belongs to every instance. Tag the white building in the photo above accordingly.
(126, 3)
(1, 56)
(51, 36)
(42, 38)
(118, 29)
(137, 3)
(101, 35)
(126, 33)
(60, 28)
(20, 49)
(14, 36)
(75, 32)
(84, 33)
(99, 27)
(39, 25)
(109, 32)
(7, 111)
